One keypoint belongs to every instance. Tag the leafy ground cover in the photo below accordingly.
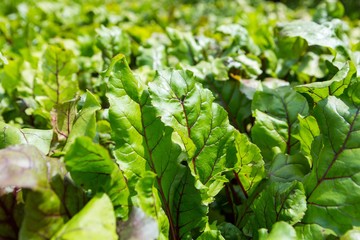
(187, 120)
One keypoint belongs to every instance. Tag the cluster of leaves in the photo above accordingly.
(195, 120)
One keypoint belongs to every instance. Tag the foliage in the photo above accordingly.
(187, 120)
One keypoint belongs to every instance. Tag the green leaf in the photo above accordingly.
(279, 231)
(211, 233)
(313, 231)
(190, 110)
(44, 215)
(92, 168)
(95, 221)
(13, 136)
(249, 168)
(276, 112)
(144, 144)
(351, 235)
(286, 168)
(85, 121)
(332, 87)
(332, 188)
(281, 202)
(112, 41)
(308, 130)
(62, 118)
(58, 81)
(313, 33)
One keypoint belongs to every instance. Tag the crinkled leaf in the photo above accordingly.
(332, 188)
(85, 121)
(12, 136)
(92, 168)
(276, 112)
(58, 81)
(211, 233)
(279, 231)
(332, 87)
(286, 168)
(229, 231)
(95, 221)
(280, 201)
(143, 144)
(190, 110)
(249, 168)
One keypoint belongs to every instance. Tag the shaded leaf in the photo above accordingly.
(332, 188)
(276, 121)
(285, 168)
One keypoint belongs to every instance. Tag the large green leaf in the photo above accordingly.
(189, 109)
(12, 136)
(313, 33)
(92, 168)
(286, 168)
(332, 188)
(281, 202)
(276, 112)
(144, 144)
(95, 221)
(332, 87)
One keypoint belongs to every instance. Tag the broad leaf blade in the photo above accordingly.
(92, 168)
(190, 110)
(332, 188)
(95, 221)
(144, 144)
(276, 114)
(37, 137)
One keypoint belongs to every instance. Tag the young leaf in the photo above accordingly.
(190, 110)
(332, 87)
(92, 168)
(144, 144)
(95, 221)
(58, 68)
(85, 121)
(276, 114)
(332, 188)
(279, 231)
(63, 117)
